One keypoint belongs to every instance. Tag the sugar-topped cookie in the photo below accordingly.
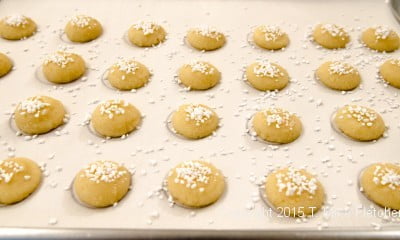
(63, 67)
(199, 75)
(5, 64)
(381, 38)
(102, 184)
(16, 27)
(360, 123)
(270, 37)
(338, 75)
(82, 28)
(390, 72)
(294, 192)
(264, 75)
(128, 74)
(195, 183)
(330, 36)
(205, 38)
(146, 34)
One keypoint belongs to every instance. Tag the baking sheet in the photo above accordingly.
(153, 150)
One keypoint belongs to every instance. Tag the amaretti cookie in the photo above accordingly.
(360, 123)
(294, 192)
(39, 114)
(82, 28)
(63, 67)
(194, 121)
(114, 118)
(264, 75)
(19, 178)
(17, 27)
(270, 37)
(380, 182)
(5, 65)
(195, 184)
(381, 38)
(102, 184)
(338, 75)
(128, 74)
(390, 72)
(146, 34)
(277, 125)
(205, 38)
(199, 75)
(330, 36)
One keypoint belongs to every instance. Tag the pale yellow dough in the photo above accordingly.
(39, 114)
(266, 76)
(195, 183)
(146, 34)
(270, 37)
(102, 184)
(194, 121)
(381, 39)
(277, 125)
(380, 182)
(338, 75)
(199, 75)
(83, 29)
(5, 65)
(360, 123)
(17, 27)
(19, 178)
(205, 38)
(128, 74)
(63, 67)
(114, 118)
(330, 36)
(294, 192)
(390, 72)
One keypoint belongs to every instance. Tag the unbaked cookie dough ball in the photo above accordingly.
(102, 184)
(338, 75)
(360, 123)
(381, 38)
(194, 121)
(294, 192)
(380, 182)
(199, 75)
(128, 74)
(19, 178)
(5, 65)
(330, 36)
(63, 67)
(277, 125)
(83, 29)
(195, 184)
(205, 38)
(39, 114)
(115, 118)
(146, 34)
(266, 76)
(270, 37)
(17, 27)
(390, 72)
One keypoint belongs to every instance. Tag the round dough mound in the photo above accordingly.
(390, 72)
(83, 29)
(115, 118)
(277, 125)
(338, 75)
(195, 121)
(102, 184)
(39, 114)
(205, 38)
(294, 192)
(5, 65)
(199, 75)
(381, 38)
(330, 36)
(19, 177)
(146, 34)
(359, 123)
(195, 183)
(266, 76)
(270, 37)
(381, 183)
(63, 67)
(128, 74)
(17, 27)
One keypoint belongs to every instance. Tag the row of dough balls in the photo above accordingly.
(197, 183)
(83, 28)
(127, 74)
(117, 118)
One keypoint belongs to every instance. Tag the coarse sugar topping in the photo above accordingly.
(81, 21)
(208, 31)
(395, 62)
(264, 68)
(16, 20)
(103, 171)
(294, 182)
(146, 27)
(382, 32)
(198, 113)
(8, 168)
(363, 115)
(33, 105)
(113, 107)
(191, 173)
(61, 58)
(340, 68)
(333, 30)
(202, 67)
(279, 118)
(127, 65)
(271, 32)
(386, 176)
